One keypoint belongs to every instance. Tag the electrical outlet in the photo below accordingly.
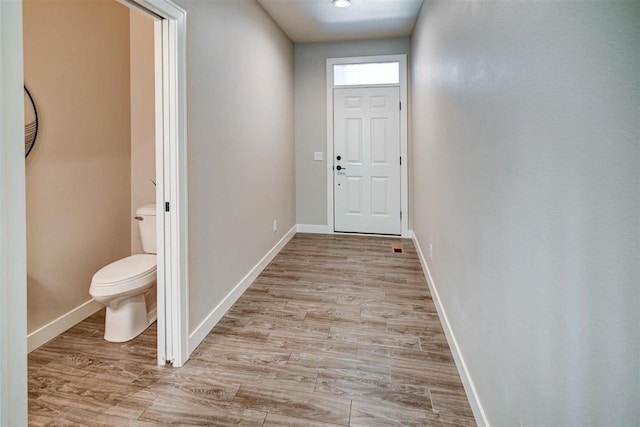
(430, 252)
(275, 225)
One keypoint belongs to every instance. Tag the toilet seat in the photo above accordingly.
(124, 276)
(125, 269)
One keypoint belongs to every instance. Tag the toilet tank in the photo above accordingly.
(146, 216)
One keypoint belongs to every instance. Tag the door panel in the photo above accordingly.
(354, 195)
(379, 141)
(379, 202)
(354, 103)
(378, 102)
(367, 140)
(354, 141)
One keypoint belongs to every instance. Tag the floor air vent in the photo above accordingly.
(397, 248)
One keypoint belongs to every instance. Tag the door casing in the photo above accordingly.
(171, 176)
(13, 228)
(404, 149)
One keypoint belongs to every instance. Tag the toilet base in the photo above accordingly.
(127, 320)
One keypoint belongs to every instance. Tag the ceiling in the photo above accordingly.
(319, 21)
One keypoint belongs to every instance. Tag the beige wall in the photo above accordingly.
(76, 57)
(526, 182)
(143, 154)
(240, 145)
(311, 116)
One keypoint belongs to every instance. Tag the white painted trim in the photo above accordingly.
(404, 135)
(162, 338)
(179, 196)
(171, 175)
(203, 329)
(324, 229)
(173, 307)
(472, 394)
(54, 328)
(384, 236)
(165, 9)
(313, 228)
(13, 234)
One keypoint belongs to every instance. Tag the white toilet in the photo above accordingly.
(122, 285)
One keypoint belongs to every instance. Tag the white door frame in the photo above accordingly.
(171, 177)
(404, 149)
(13, 228)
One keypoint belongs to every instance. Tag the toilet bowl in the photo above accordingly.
(121, 286)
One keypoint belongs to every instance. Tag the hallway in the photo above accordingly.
(338, 330)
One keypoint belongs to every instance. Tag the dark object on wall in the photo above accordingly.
(30, 122)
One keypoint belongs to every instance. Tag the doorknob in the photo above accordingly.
(340, 168)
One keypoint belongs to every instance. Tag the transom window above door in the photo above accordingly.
(372, 73)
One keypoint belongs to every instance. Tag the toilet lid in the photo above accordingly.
(128, 268)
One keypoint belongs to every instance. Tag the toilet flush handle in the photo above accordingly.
(139, 218)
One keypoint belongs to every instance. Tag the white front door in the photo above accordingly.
(367, 160)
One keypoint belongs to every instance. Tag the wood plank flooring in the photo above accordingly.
(337, 331)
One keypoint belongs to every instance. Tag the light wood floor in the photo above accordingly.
(338, 330)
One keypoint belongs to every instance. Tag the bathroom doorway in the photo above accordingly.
(171, 176)
(95, 182)
(172, 186)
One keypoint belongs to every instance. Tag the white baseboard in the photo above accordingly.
(54, 328)
(472, 395)
(324, 229)
(313, 228)
(203, 329)
(408, 235)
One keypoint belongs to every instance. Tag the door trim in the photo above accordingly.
(404, 149)
(171, 175)
(13, 228)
